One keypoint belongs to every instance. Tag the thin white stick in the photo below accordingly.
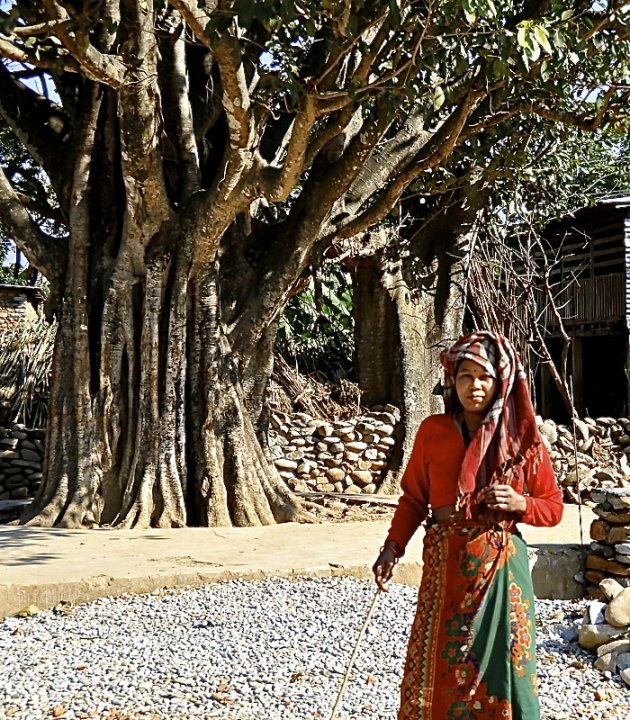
(354, 653)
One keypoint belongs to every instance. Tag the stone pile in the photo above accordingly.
(345, 456)
(603, 454)
(21, 460)
(609, 553)
(606, 629)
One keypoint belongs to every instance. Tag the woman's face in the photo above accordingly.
(475, 387)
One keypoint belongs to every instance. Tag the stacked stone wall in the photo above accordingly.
(21, 460)
(15, 308)
(602, 450)
(345, 456)
(609, 552)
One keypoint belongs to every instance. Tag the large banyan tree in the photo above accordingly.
(201, 155)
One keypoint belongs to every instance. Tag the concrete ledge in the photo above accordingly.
(43, 567)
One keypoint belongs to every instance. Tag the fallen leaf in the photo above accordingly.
(18, 631)
(223, 686)
(58, 711)
(81, 667)
(371, 679)
(28, 611)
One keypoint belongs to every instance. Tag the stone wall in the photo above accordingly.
(346, 456)
(603, 454)
(18, 305)
(21, 458)
(609, 553)
(351, 456)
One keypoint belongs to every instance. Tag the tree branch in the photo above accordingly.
(236, 100)
(43, 252)
(179, 87)
(196, 17)
(277, 183)
(43, 129)
(433, 153)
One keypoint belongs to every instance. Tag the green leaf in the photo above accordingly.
(438, 97)
(394, 13)
(522, 37)
(542, 38)
(567, 14)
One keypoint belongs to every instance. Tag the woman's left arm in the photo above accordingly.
(544, 503)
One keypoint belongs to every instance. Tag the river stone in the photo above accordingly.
(325, 430)
(623, 548)
(625, 676)
(332, 462)
(622, 661)
(387, 441)
(583, 475)
(582, 430)
(614, 518)
(618, 610)
(361, 477)
(284, 464)
(591, 637)
(335, 474)
(618, 534)
(602, 548)
(384, 429)
(19, 493)
(599, 530)
(369, 489)
(594, 562)
(357, 446)
(610, 587)
(614, 646)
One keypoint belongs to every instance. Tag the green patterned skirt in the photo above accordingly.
(472, 650)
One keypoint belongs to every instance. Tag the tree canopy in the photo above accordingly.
(203, 156)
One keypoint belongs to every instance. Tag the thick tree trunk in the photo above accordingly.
(400, 331)
(159, 422)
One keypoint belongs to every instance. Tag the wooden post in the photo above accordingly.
(578, 374)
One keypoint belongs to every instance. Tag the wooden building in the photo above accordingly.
(591, 251)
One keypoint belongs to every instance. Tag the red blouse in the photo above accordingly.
(430, 480)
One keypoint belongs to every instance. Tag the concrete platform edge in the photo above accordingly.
(553, 571)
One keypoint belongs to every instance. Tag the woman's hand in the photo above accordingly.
(383, 568)
(503, 498)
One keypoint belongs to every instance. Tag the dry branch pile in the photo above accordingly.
(25, 363)
(293, 391)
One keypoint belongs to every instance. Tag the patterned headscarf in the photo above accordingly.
(508, 434)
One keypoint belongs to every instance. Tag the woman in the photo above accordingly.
(475, 471)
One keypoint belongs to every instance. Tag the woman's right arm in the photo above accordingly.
(411, 511)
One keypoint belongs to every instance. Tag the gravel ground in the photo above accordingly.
(254, 650)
